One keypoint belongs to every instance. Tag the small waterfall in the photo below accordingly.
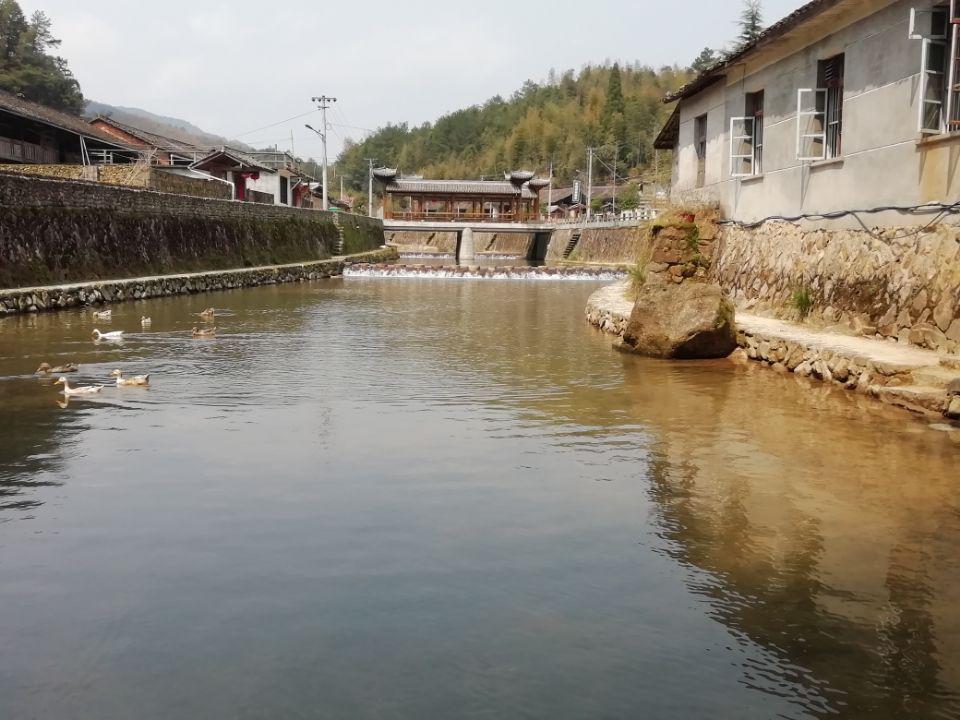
(492, 273)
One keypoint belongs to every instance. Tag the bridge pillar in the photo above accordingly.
(465, 248)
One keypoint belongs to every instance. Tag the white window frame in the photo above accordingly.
(950, 40)
(802, 114)
(736, 143)
(914, 34)
(925, 75)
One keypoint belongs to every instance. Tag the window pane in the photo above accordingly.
(931, 115)
(936, 57)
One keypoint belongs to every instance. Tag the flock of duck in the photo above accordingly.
(121, 381)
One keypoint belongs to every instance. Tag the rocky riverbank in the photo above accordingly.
(56, 297)
(919, 380)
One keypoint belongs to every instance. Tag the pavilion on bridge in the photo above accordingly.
(514, 199)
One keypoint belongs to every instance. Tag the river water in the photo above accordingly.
(420, 498)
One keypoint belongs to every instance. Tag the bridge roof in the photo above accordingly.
(460, 187)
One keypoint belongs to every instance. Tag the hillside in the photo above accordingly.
(617, 110)
(160, 124)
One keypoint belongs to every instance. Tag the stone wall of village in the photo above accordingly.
(131, 175)
(57, 231)
(900, 284)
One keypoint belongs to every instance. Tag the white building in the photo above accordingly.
(843, 105)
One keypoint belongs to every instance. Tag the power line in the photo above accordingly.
(266, 127)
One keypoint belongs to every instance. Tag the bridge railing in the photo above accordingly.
(503, 217)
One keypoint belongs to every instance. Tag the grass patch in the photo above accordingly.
(803, 301)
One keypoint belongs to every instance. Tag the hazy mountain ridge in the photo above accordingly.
(171, 127)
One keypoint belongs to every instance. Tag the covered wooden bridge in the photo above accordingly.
(515, 199)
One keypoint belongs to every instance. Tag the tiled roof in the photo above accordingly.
(464, 187)
(48, 116)
(777, 30)
(160, 142)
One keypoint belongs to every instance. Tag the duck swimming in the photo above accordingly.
(145, 321)
(45, 369)
(208, 313)
(103, 314)
(112, 335)
(204, 332)
(133, 380)
(84, 390)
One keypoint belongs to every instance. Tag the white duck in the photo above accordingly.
(133, 380)
(112, 335)
(85, 390)
(103, 314)
(145, 321)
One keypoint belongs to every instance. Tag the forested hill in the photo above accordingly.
(616, 109)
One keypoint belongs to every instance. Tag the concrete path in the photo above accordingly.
(187, 276)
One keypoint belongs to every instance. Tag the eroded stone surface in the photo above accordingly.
(685, 321)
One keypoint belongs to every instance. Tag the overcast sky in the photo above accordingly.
(235, 67)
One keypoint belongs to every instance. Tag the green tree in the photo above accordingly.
(27, 67)
(704, 60)
(604, 106)
(750, 23)
(629, 196)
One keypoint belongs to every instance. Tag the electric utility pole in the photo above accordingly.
(324, 102)
(370, 186)
(589, 181)
(615, 152)
(550, 191)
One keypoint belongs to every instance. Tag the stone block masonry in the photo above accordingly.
(901, 284)
(61, 297)
(58, 231)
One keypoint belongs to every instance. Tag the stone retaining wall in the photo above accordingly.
(132, 175)
(418, 243)
(56, 231)
(39, 299)
(902, 284)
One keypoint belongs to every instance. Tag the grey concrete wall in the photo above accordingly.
(884, 159)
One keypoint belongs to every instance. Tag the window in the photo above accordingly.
(830, 76)
(700, 143)
(746, 138)
(820, 113)
(939, 30)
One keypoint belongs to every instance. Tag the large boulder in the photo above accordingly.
(689, 320)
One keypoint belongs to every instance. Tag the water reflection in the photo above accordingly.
(850, 577)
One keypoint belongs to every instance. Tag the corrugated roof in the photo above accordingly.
(667, 138)
(241, 159)
(160, 142)
(48, 116)
(466, 187)
(778, 29)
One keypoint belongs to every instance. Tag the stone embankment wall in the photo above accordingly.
(630, 245)
(358, 232)
(96, 293)
(610, 245)
(56, 231)
(133, 175)
(899, 284)
(511, 244)
(418, 243)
